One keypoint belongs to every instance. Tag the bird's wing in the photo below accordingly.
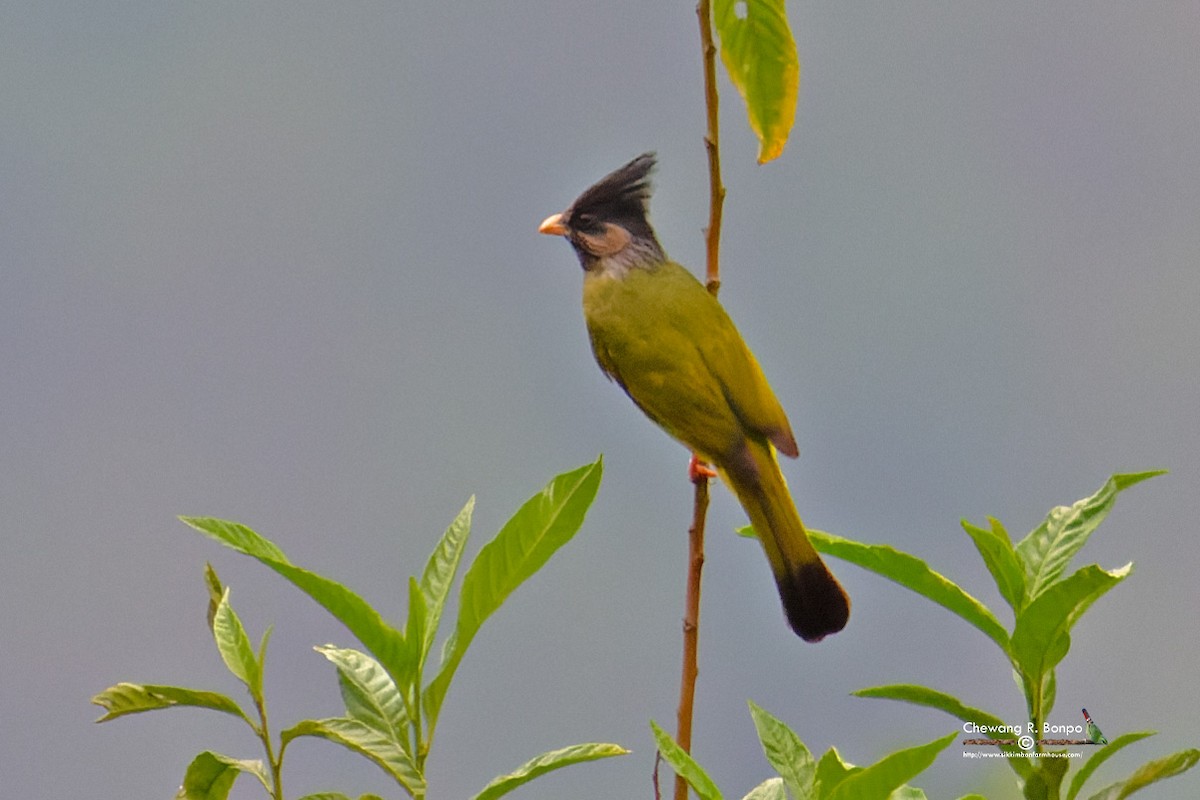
(668, 380)
(744, 385)
(676, 353)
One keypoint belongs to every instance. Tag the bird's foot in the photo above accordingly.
(699, 471)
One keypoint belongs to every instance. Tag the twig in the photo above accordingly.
(716, 190)
(691, 627)
(712, 240)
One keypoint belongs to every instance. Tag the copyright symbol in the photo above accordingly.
(1025, 743)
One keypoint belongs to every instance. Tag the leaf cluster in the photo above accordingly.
(830, 778)
(1046, 602)
(391, 710)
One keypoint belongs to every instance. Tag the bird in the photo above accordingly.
(670, 345)
(1093, 730)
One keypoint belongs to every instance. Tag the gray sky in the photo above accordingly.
(278, 263)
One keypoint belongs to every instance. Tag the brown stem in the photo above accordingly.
(691, 627)
(716, 190)
(712, 280)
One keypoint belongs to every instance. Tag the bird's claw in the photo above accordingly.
(699, 471)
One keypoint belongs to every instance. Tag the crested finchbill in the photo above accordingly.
(663, 338)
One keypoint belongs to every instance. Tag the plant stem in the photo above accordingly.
(712, 239)
(691, 627)
(275, 762)
(716, 190)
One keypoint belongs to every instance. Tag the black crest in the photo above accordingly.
(622, 194)
(620, 198)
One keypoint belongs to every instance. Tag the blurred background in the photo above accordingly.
(278, 262)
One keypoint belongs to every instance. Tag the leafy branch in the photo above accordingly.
(1045, 603)
(830, 778)
(391, 712)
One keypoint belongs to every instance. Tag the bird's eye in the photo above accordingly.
(585, 222)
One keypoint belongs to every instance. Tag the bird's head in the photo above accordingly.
(607, 224)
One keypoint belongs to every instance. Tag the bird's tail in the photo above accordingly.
(815, 603)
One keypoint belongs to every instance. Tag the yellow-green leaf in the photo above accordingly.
(548, 762)
(785, 752)
(210, 776)
(383, 641)
(889, 773)
(365, 740)
(132, 698)
(1151, 772)
(684, 765)
(760, 55)
(543, 524)
(235, 647)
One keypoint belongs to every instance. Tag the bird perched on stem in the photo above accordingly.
(669, 344)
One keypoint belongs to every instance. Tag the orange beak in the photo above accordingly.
(553, 225)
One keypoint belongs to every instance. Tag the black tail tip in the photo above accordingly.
(815, 603)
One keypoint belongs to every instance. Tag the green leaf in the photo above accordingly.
(543, 524)
(785, 752)
(210, 776)
(913, 573)
(1041, 635)
(382, 640)
(215, 591)
(831, 771)
(1150, 772)
(996, 548)
(414, 634)
(1100, 756)
(684, 765)
(931, 698)
(548, 762)
(889, 773)
(238, 537)
(1047, 550)
(365, 740)
(235, 648)
(770, 789)
(1046, 780)
(1049, 692)
(262, 649)
(132, 698)
(370, 694)
(439, 573)
(908, 793)
(760, 56)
